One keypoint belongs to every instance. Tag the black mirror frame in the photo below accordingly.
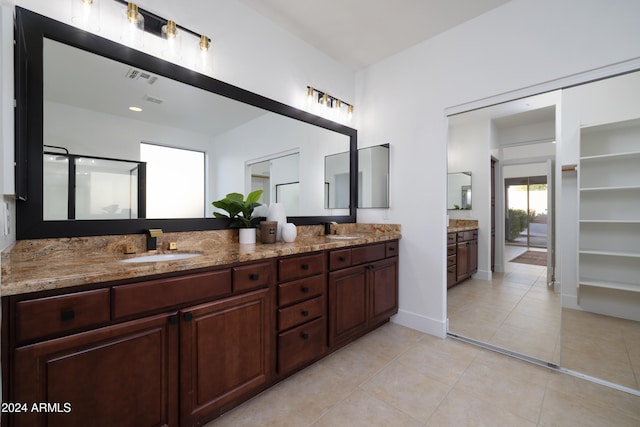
(31, 29)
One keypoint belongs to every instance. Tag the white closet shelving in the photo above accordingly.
(609, 183)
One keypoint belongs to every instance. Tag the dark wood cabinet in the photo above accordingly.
(181, 349)
(363, 296)
(121, 375)
(462, 256)
(224, 353)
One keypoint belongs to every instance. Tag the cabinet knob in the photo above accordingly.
(342, 259)
(305, 289)
(305, 313)
(391, 248)
(305, 266)
(370, 267)
(174, 319)
(187, 317)
(304, 336)
(254, 276)
(67, 315)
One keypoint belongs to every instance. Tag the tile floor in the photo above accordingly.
(517, 311)
(397, 376)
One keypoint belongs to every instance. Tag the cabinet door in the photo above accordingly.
(122, 375)
(383, 288)
(462, 260)
(224, 353)
(348, 298)
(473, 256)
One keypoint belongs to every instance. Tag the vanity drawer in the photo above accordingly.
(252, 276)
(45, 316)
(300, 313)
(451, 250)
(451, 276)
(301, 344)
(391, 249)
(289, 293)
(451, 238)
(465, 236)
(451, 260)
(163, 293)
(339, 259)
(300, 266)
(363, 254)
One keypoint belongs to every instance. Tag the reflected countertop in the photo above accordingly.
(46, 264)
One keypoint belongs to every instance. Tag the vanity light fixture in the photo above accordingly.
(158, 26)
(329, 101)
(86, 14)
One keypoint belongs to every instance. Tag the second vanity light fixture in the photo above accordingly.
(329, 101)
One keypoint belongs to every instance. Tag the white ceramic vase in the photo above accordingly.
(289, 232)
(247, 236)
(276, 213)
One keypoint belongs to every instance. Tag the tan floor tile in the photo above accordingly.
(540, 345)
(595, 394)
(407, 390)
(444, 360)
(560, 409)
(462, 409)
(353, 365)
(361, 409)
(506, 382)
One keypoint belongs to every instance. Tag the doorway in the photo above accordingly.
(527, 213)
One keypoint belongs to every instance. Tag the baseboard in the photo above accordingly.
(421, 323)
(483, 275)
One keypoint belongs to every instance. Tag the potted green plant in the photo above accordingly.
(240, 213)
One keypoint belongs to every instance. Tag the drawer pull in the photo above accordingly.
(305, 313)
(254, 277)
(370, 267)
(305, 266)
(305, 289)
(67, 315)
(391, 249)
(304, 336)
(342, 259)
(188, 317)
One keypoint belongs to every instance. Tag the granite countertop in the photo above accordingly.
(462, 225)
(38, 265)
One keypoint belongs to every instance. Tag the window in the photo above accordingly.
(175, 181)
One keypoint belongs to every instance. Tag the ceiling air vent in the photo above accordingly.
(134, 74)
(152, 99)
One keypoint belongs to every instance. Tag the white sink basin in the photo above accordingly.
(160, 257)
(342, 236)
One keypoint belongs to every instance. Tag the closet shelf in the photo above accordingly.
(610, 221)
(632, 287)
(619, 188)
(626, 155)
(627, 254)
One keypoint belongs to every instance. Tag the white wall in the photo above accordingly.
(518, 45)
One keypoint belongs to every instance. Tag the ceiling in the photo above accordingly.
(359, 33)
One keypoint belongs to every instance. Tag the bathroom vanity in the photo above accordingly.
(462, 252)
(180, 342)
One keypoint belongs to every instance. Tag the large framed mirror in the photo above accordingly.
(76, 95)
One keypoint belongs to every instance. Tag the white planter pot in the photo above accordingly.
(247, 236)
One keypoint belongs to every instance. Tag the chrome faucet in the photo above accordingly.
(152, 238)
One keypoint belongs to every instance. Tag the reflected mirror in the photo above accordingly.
(101, 99)
(373, 177)
(336, 181)
(459, 191)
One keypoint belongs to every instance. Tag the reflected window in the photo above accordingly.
(178, 181)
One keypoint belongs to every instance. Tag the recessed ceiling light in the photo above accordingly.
(136, 109)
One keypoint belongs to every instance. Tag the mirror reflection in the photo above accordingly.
(336, 181)
(97, 107)
(373, 177)
(459, 191)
